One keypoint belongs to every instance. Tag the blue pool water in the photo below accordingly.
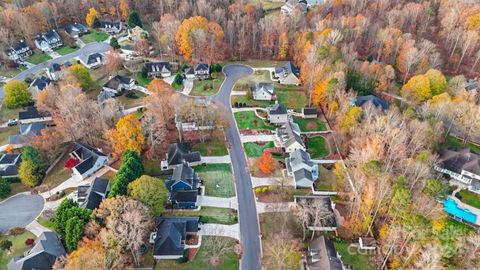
(451, 207)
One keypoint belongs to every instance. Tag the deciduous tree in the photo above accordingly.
(127, 135)
(82, 75)
(265, 162)
(90, 18)
(16, 94)
(151, 191)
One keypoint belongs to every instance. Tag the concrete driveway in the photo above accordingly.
(19, 211)
(247, 213)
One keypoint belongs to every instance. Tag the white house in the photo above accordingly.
(48, 41)
(287, 74)
(89, 159)
(56, 71)
(19, 52)
(158, 69)
(291, 5)
(111, 26)
(92, 60)
(462, 166)
(289, 137)
(300, 166)
(117, 84)
(263, 91)
(277, 114)
(199, 71)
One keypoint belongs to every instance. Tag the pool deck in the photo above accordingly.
(465, 206)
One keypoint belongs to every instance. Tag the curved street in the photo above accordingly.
(95, 47)
(19, 211)
(247, 212)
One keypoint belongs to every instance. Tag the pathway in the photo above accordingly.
(211, 229)
(187, 86)
(274, 207)
(210, 201)
(36, 228)
(257, 138)
(259, 181)
(216, 159)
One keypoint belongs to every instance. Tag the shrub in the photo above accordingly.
(71, 162)
(29, 242)
(17, 231)
(235, 105)
(4, 188)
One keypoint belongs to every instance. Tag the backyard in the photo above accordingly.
(208, 215)
(327, 181)
(7, 132)
(59, 173)
(228, 260)
(469, 198)
(133, 100)
(457, 144)
(250, 102)
(256, 149)
(292, 98)
(142, 81)
(310, 124)
(213, 147)
(17, 249)
(38, 58)
(317, 147)
(358, 260)
(217, 179)
(248, 120)
(207, 87)
(250, 81)
(94, 36)
(66, 50)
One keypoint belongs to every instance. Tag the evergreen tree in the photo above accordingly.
(134, 20)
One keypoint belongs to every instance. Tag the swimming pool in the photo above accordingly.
(451, 207)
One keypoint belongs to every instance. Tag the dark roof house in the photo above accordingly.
(39, 84)
(30, 113)
(90, 159)
(27, 133)
(75, 29)
(42, 256)
(119, 83)
(92, 197)
(170, 235)
(91, 60)
(9, 164)
(179, 152)
(19, 52)
(321, 255)
(374, 100)
(161, 68)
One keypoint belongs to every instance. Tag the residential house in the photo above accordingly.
(294, 5)
(9, 164)
(117, 84)
(289, 137)
(179, 152)
(277, 114)
(263, 91)
(75, 30)
(367, 243)
(105, 95)
(183, 186)
(199, 71)
(287, 74)
(56, 71)
(91, 196)
(158, 69)
(89, 159)
(462, 166)
(170, 235)
(111, 27)
(27, 133)
(371, 99)
(92, 60)
(300, 166)
(309, 113)
(42, 256)
(48, 41)
(322, 255)
(31, 115)
(38, 85)
(19, 52)
(322, 216)
(137, 33)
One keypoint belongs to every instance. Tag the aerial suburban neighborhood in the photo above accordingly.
(239, 134)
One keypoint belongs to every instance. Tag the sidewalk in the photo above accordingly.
(216, 159)
(37, 229)
(211, 229)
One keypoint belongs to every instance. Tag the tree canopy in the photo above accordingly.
(151, 191)
(130, 169)
(82, 75)
(127, 134)
(16, 94)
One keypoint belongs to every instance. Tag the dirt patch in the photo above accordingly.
(312, 126)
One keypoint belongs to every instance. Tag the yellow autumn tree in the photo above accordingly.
(127, 134)
(124, 9)
(318, 95)
(438, 83)
(283, 50)
(417, 88)
(352, 117)
(90, 18)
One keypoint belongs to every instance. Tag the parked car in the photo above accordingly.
(12, 122)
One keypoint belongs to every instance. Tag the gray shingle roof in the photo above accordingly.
(457, 161)
(170, 234)
(321, 255)
(178, 152)
(277, 109)
(263, 86)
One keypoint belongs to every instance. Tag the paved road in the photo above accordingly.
(95, 47)
(249, 234)
(19, 211)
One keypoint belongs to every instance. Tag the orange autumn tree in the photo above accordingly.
(198, 39)
(265, 162)
(127, 134)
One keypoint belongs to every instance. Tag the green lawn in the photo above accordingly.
(317, 147)
(177, 87)
(211, 148)
(250, 102)
(469, 198)
(38, 58)
(327, 181)
(291, 97)
(94, 36)
(258, 76)
(457, 144)
(256, 150)
(46, 222)
(248, 120)
(218, 183)
(228, 261)
(142, 81)
(208, 215)
(351, 256)
(58, 174)
(133, 101)
(213, 167)
(7, 132)
(66, 50)
(207, 87)
(312, 124)
(17, 249)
